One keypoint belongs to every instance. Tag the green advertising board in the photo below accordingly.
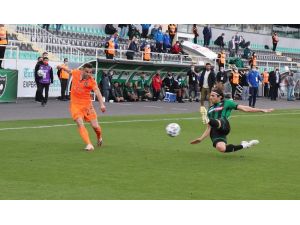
(8, 85)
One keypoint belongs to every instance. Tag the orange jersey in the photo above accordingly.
(81, 89)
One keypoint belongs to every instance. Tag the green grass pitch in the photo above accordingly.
(139, 161)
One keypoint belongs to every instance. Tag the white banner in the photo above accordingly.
(199, 49)
(26, 83)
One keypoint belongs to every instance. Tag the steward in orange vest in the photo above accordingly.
(147, 53)
(234, 80)
(63, 75)
(221, 59)
(3, 41)
(252, 61)
(266, 82)
(110, 49)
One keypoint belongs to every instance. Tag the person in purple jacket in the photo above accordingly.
(253, 79)
(44, 77)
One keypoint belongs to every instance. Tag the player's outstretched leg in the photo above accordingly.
(249, 144)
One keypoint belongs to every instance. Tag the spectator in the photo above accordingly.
(172, 32)
(195, 32)
(3, 41)
(117, 93)
(253, 60)
(237, 40)
(105, 85)
(159, 38)
(290, 86)
(207, 80)
(153, 31)
(220, 41)
(116, 40)
(234, 81)
(207, 34)
(45, 77)
(231, 47)
(275, 41)
(145, 30)
(193, 84)
(243, 43)
(245, 85)
(110, 29)
(133, 31)
(147, 53)
(265, 76)
(166, 42)
(46, 26)
(36, 68)
(274, 79)
(63, 76)
(58, 26)
(143, 92)
(123, 31)
(221, 59)
(176, 49)
(247, 53)
(129, 94)
(253, 81)
(156, 85)
(110, 49)
(132, 49)
(222, 76)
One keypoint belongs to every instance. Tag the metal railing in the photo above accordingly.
(11, 49)
(34, 32)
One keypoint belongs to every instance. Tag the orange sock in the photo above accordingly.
(84, 134)
(98, 132)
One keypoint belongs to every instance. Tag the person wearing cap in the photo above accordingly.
(217, 124)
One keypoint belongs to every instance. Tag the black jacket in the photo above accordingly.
(211, 79)
(221, 75)
(272, 78)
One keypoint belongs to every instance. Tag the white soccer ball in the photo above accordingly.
(40, 73)
(173, 129)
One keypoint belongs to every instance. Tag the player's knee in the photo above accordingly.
(221, 147)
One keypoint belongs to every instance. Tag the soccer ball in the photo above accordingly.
(40, 73)
(173, 129)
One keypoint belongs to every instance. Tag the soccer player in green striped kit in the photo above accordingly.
(218, 126)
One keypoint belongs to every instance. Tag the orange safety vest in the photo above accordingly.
(235, 78)
(111, 47)
(172, 29)
(3, 36)
(222, 58)
(64, 74)
(266, 77)
(147, 56)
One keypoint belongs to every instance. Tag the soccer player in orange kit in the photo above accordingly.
(81, 106)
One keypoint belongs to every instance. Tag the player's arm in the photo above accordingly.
(99, 97)
(245, 108)
(203, 136)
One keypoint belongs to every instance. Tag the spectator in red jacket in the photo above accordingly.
(156, 85)
(176, 49)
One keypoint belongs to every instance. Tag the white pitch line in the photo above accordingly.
(141, 120)
(179, 108)
(152, 106)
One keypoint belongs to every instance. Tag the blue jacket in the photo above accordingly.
(159, 37)
(167, 41)
(145, 26)
(253, 78)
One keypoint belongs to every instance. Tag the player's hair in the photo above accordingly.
(219, 89)
(87, 65)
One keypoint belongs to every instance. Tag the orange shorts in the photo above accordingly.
(86, 112)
